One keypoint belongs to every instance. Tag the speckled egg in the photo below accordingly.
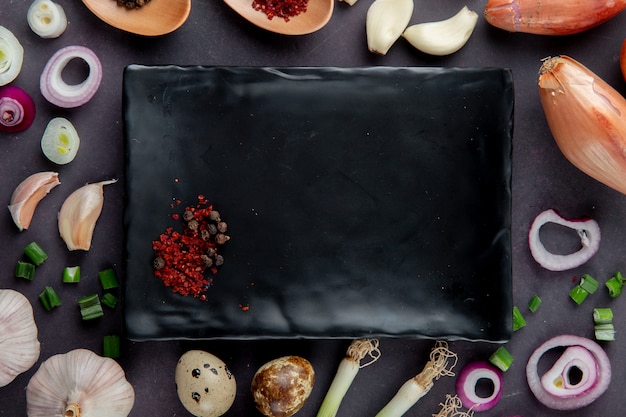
(205, 385)
(281, 386)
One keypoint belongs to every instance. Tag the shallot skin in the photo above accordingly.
(551, 17)
(622, 59)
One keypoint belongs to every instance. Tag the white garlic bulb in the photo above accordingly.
(79, 383)
(19, 346)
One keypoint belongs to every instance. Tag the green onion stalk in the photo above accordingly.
(346, 372)
(441, 362)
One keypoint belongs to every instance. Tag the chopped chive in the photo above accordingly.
(35, 253)
(605, 332)
(518, 319)
(534, 303)
(71, 274)
(588, 283)
(49, 298)
(502, 359)
(615, 284)
(111, 346)
(25, 270)
(108, 279)
(90, 307)
(109, 300)
(602, 315)
(578, 294)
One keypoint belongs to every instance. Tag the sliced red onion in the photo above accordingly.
(557, 380)
(17, 109)
(468, 379)
(587, 229)
(54, 88)
(11, 56)
(590, 387)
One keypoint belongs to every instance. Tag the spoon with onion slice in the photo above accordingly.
(155, 18)
(317, 14)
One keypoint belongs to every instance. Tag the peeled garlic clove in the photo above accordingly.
(550, 17)
(444, 37)
(385, 22)
(28, 194)
(587, 118)
(19, 346)
(79, 383)
(79, 213)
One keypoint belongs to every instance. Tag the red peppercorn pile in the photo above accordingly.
(182, 259)
(280, 8)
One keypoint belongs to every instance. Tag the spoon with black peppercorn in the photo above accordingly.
(316, 15)
(153, 18)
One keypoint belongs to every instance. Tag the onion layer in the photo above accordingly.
(570, 396)
(587, 229)
(17, 109)
(468, 379)
(54, 88)
(11, 56)
(46, 18)
(60, 141)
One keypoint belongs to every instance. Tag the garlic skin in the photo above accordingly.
(79, 213)
(385, 22)
(587, 118)
(79, 383)
(444, 37)
(550, 17)
(27, 196)
(19, 346)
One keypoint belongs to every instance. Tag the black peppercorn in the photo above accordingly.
(187, 215)
(219, 260)
(222, 227)
(158, 263)
(215, 216)
(193, 225)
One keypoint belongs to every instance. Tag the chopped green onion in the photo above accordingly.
(615, 284)
(71, 274)
(25, 270)
(605, 332)
(111, 346)
(109, 300)
(502, 359)
(108, 279)
(534, 303)
(49, 298)
(518, 319)
(35, 253)
(602, 315)
(578, 294)
(589, 283)
(90, 307)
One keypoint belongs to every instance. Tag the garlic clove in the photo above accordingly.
(385, 22)
(587, 118)
(79, 383)
(552, 17)
(444, 37)
(79, 213)
(19, 346)
(28, 194)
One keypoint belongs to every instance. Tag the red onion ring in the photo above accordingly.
(56, 91)
(468, 379)
(17, 109)
(590, 392)
(587, 229)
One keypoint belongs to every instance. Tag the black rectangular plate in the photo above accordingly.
(360, 201)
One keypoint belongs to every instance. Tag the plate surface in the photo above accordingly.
(360, 201)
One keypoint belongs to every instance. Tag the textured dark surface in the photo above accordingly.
(215, 35)
(360, 202)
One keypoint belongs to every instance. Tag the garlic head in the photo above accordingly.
(444, 37)
(79, 213)
(384, 23)
(19, 346)
(79, 383)
(28, 194)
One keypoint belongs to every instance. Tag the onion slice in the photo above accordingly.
(569, 398)
(11, 56)
(46, 18)
(558, 382)
(57, 91)
(17, 109)
(587, 229)
(60, 141)
(468, 379)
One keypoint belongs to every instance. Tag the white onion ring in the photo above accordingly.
(585, 397)
(56, 91)
(11, 64)
(46, 18)
(587, 229)
(466, 385)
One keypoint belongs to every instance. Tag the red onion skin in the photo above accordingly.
(569, 403)
(27, 104)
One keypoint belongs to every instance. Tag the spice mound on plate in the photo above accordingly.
(132, 4)
(182, 259)
(280, 8)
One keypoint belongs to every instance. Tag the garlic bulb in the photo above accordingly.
(385, 22)
(79, 383)
(28, 194)
(19, 346)
(79, 213)
(587, 118)
(444, 37)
